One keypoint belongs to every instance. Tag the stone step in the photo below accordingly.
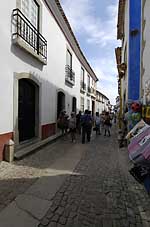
(34, 145)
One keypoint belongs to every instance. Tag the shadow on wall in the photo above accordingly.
(26, 57)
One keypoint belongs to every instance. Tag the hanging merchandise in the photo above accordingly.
(139, 148)
(139, 153)
(134, 114)
(137, 129)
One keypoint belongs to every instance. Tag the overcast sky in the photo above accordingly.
(94, 25)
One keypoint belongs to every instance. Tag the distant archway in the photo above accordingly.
(60, 102)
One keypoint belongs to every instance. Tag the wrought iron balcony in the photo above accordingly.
(24, 29)
(82, 86)
(70, 75)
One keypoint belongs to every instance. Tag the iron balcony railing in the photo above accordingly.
(70, 75)
(26, 31)
(82, 85)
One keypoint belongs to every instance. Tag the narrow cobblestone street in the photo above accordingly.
(99, 193)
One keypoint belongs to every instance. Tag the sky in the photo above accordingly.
(94, 24)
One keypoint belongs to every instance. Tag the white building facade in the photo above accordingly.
(102, 102)
(41, 71)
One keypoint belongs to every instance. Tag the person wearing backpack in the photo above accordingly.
(86, 124)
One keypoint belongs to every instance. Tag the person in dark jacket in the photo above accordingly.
(78, 122)
(86, 124)
(107, 123)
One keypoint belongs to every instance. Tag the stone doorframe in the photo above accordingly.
(17, 77)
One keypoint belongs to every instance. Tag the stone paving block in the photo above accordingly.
(55, 218)
(45, 221)
(60, 211)
(62, 220)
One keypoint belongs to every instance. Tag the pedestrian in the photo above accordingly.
(92, 122)
(60, 122)
(107, 123)
(97, 123)
(78, 122)
(72, 127)
(86, 124)
(66, 122)
(102, 116)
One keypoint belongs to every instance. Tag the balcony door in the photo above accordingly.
(30, 9)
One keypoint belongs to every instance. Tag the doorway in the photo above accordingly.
(74, 104)
(93, 108)
(26, 109)
(60, 102)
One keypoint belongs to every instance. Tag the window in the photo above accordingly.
(82, 74)
(88, 80)
(70, 74)
(69, 59)
(82, 104)
(92, 82)
(88, 104)
(30, 9)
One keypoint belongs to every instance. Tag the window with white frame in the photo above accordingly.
(30, 9)
(82, 74)
(69, 59)
(88, 80)
(82, 104)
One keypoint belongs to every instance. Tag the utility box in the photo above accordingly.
(9, 151)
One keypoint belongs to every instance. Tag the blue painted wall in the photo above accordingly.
(134, 49)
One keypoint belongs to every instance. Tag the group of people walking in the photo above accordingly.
(83, 124)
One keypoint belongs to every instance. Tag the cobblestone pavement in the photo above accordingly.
(100, 193)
